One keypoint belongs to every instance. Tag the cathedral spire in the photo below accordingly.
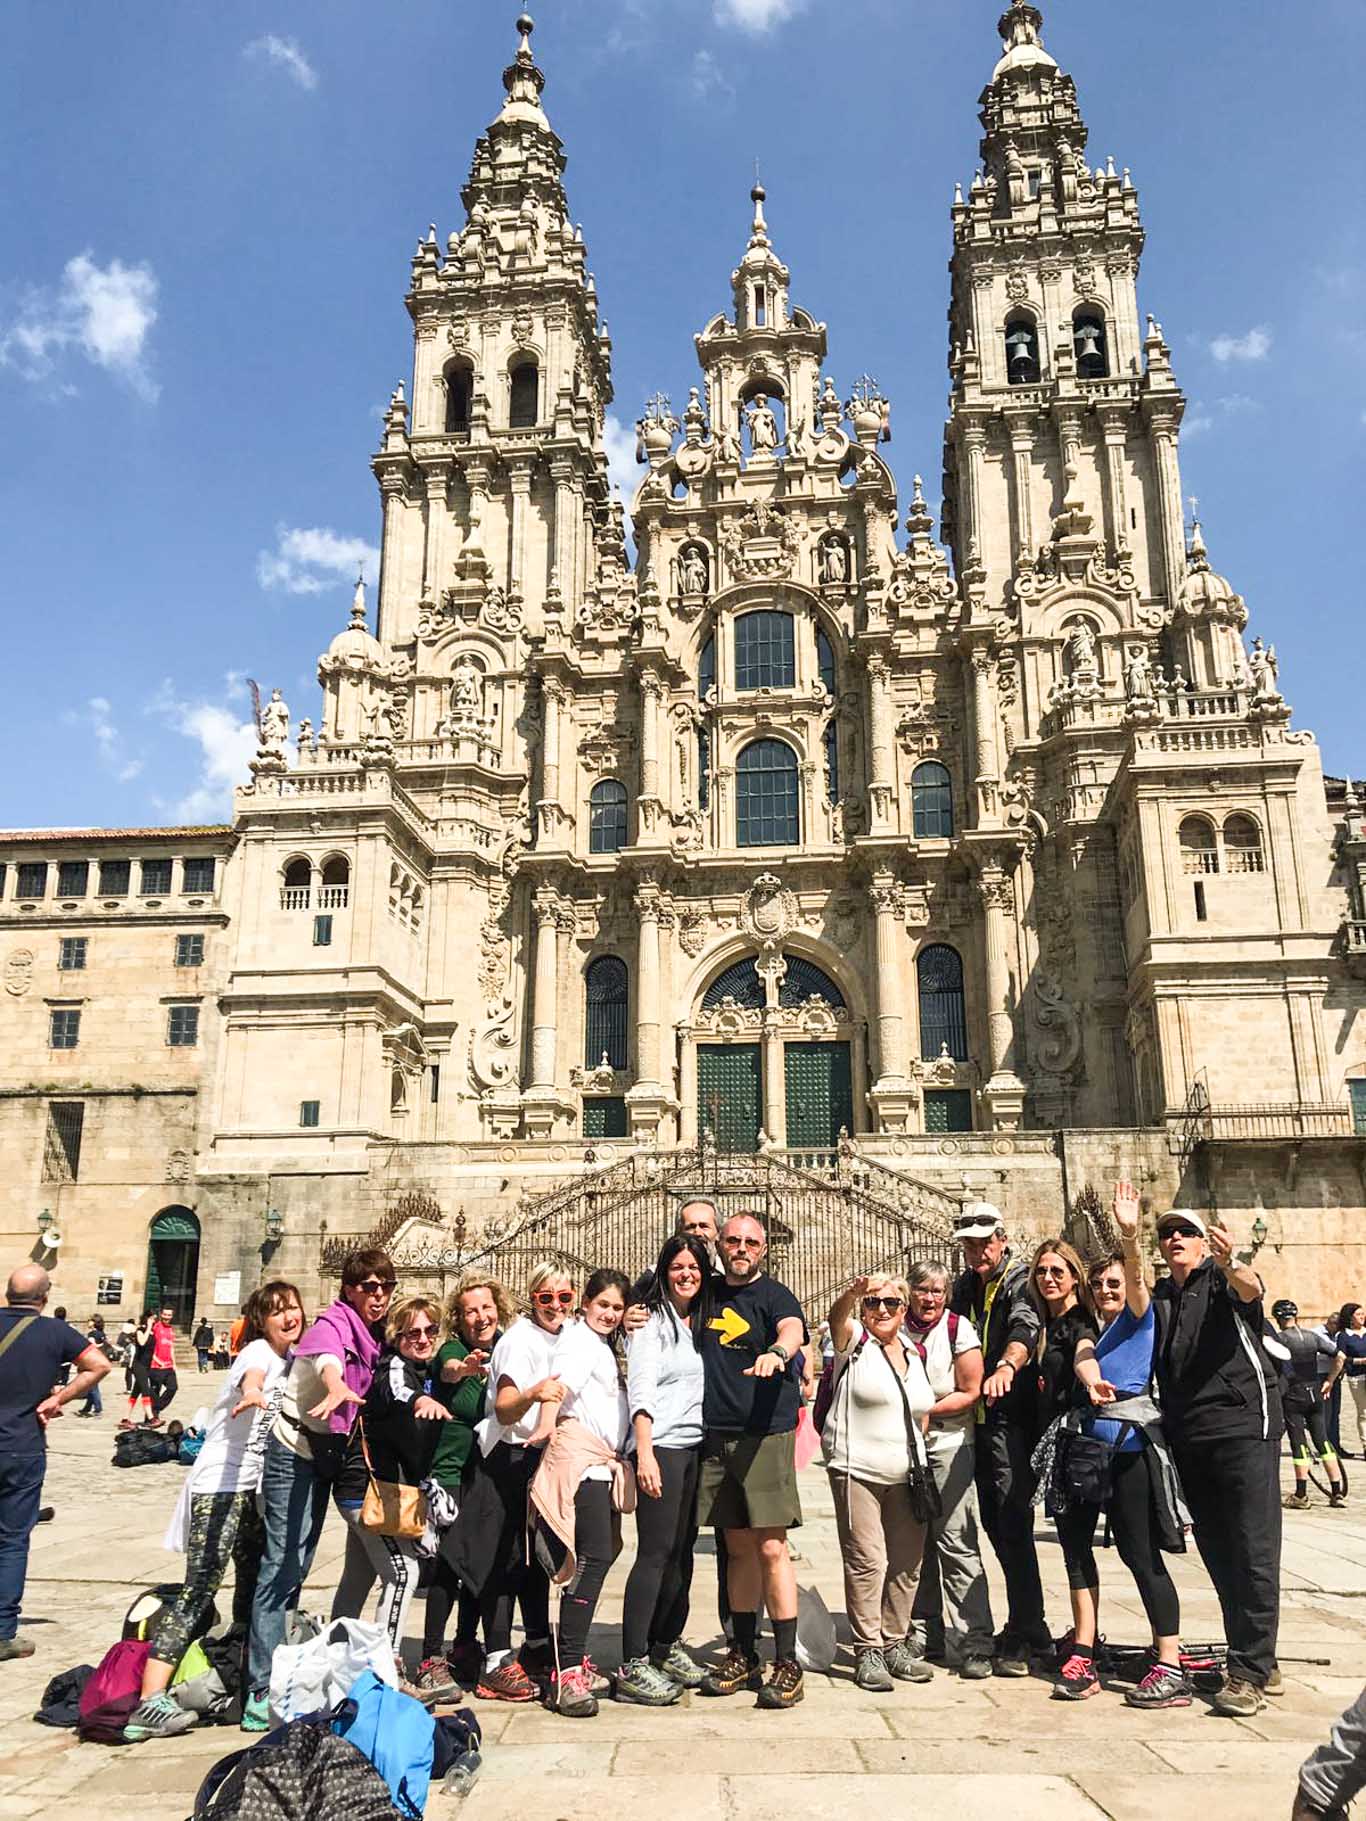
(523, 80)
(1022, 29)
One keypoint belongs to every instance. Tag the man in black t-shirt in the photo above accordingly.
(34, 1351)
(748, 1488)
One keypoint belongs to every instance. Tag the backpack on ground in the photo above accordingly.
(109, 1697)
(397, 1735)
(145, 1446)
(208, 1678)
(62, 1697)
(299, 1772)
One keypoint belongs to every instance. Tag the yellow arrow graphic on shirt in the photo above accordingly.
(730, 1325)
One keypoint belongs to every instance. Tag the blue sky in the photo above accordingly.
(208, 213)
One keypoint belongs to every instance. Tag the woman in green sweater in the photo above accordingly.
(478, 1311)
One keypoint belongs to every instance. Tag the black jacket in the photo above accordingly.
(1012, 1317)
(401, 1445)
(1215, 1380)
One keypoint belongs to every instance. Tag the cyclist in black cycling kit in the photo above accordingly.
(1306, 1415)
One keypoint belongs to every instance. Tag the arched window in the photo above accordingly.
(605, 996)
(336, 885)
(1022, 351)
(524, 399)
(1199, 848)
(1089, 344)
(943, 1017)
(825, 662)
(607, 817)
(765, 652)
(703, 768)
(297, 886)
(766, 796)
(804, 980)
(831, 743)
(459, 392)
(931, 802)
(1243, 845)
(706, 668)
(740, 982)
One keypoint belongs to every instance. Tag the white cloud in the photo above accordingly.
(98, 716)
(1198, 422)
(285, 54)
(226, 742)
(1253, 346)
(622, 467)
(1238, 404)
(706, 78)
(756, 15)
(310, 561)
(104, 313)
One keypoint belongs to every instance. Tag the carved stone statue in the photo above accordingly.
(466, 688)
(763, 427)
(1138, 676)
(834, 561)
(1263, 683)
(274, 724)
(692, 570)
(1081, 648)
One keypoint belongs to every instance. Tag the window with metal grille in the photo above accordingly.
(62, 1145)
(71, 954)
(308, 1112)
(182, 1027)
(322, 932)
(73, 878)
(607, 817)
(1089, 345)
(740, 982)
(64, 1030)
(189, 951)
(1356, 1093)
(948, 1110)
(604, 1117)
(804, 980)
(943, 1016)
(765, 651)
(766, 796)
(115, 878)
(832, 763)
(156, 878)
(197, 875)
(524, 399)
(932, 802)
(825, 662)
(31, 879)
(706, 668)
(703, 769)
(606, 990)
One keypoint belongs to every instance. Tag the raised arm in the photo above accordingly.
(1126, 1210)
(842, 1315)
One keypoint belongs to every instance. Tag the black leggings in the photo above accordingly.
(597, 1544)
(445, 1592)
(1306, 1421)
(1131, 1524)
(658, 1587)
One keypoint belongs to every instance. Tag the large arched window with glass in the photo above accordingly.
(931, 802)
(765, 651)
(607, 817)
(766, 812)
(943, 1015)
(606, 989)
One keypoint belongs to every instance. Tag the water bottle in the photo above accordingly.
(463, 1774)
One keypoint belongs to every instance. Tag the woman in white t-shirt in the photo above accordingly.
(216, 1519)
(873, 1433)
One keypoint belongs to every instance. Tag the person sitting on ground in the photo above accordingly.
(1303, 1400)
(216, 1520)
(873, 1441)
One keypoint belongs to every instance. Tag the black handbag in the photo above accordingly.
(1086, 1465)
(927, 1507)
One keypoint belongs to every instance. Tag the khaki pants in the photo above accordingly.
(882, 1546)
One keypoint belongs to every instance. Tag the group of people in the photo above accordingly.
(947, 1406)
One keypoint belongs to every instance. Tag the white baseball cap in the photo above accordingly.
(1187, 1217)
(977, 1220)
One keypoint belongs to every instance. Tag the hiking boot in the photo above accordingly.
(158, 1717)
(1274, 1684)
(1163, 1686)
(644, 1685)
(256, 1713)
(15, 1647)
(734, 1672)
(432, 1681)
(905, 1665)
(571, 1695)
(1296, 1501)
(975, 1668)
(465, 1662)
(682, 1667)
(509, 1682)
(784, 1685)
(871, 1672)
(1238, 1700)
(1077, 1679)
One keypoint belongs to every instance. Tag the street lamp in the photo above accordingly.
(1259, 1233)
(275, 1226)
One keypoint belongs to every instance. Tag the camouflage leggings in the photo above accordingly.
(224, 1527)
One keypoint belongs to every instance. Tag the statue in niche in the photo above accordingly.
(1081, 649)
(1138, 676)
(834, 561)
(692, 570)
(274, 724)
(763, 427)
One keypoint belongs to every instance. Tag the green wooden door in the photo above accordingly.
(173, 1264)
(728, 1094)
(820, 1093)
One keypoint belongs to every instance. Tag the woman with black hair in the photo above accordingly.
(664, 1384)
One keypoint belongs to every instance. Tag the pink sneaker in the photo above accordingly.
(1076, 1680)
(571, 1693)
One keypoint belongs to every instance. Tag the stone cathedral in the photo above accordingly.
(986, 852)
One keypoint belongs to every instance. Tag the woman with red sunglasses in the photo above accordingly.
(488, 1541)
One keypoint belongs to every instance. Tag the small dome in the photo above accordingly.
(1021, 28)
(1022, 57)
(1206, 589)
(357, 640)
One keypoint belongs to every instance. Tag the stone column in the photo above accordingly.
(1022, 450)
(880, 785)
(1115, 423)
(545, 994)
(984, 729)
(519, 472)
(552, 699)
(974, 447)
(648, 1028)
(433, 576)
(1170, 518)
(1004, 1090)
(567, 513)
(687, 1084)
(394, 492)
(775, 1079)
(891, 1026)
(650, 806)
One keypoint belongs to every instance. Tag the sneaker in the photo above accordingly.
(975, 1668)
(734, 1672)
(538, 1660)
(570, 1693)
(1296, 1501)
(1337, 1501)
(870, 1672)
(46, 1513)
(465, 1662)
(509, 1682)
(1013, 1657)
(256, 1713)
(784, 1685)
(642, 1684)
(433, 1681)
(15, 1647)
(682, 1667)
(1077, 1679)
(1163, 1686)
(1274, 1684)
(598, 1679)
(158, 1717)
(1238, 1700)
(906, 1666)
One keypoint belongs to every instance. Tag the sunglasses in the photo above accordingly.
(549, 1298)
(419, 1331)
(889, 1304)
(1181, 1232)
(378, 1286)
(1053, 1271)
(745, 1245)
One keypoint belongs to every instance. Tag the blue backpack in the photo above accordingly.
(396, 1733)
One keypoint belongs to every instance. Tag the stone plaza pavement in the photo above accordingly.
(977, 1751)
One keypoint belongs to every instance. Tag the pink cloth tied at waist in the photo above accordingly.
(570, 1452)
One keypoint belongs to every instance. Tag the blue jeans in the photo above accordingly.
(21, 1491)
(295, 1500)
(94, 1403)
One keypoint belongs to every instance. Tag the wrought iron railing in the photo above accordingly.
(1278, 1120)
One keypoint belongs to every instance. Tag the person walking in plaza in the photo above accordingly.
(993, 1294)
(161, 1372)
(951, 1575)
(202, 1342)
(35, 1349)
(874, 1445)
(1349, 1368)
(216, 1520)
(1222, 1416)
(310, 1452)
(748, 1483)
(665, 1381)
(139, 1375)
(487, 1544)
(1304, 1396)
(96, 1335)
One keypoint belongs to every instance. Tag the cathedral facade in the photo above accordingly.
(994, 852)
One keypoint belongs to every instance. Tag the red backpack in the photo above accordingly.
(111, 1694)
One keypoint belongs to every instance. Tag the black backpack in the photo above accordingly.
(147, 1447)
(299, 1772)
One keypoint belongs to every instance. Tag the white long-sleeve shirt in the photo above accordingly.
(664, 1381)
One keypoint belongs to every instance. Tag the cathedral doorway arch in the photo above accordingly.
(173, 1264)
